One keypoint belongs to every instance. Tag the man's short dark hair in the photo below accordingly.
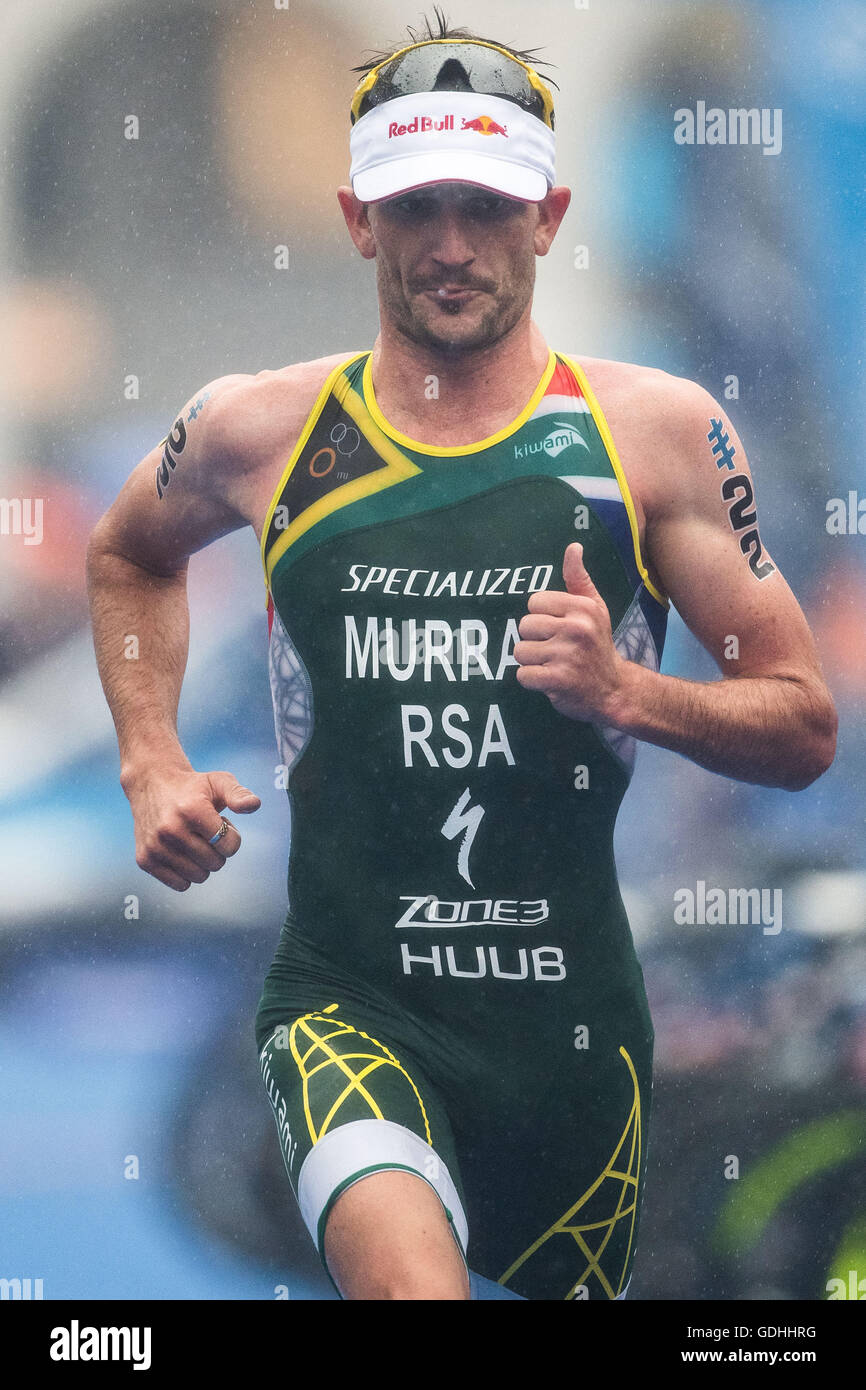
(439, 27)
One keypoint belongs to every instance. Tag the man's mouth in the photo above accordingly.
(450, 295)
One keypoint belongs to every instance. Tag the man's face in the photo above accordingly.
(455, 264)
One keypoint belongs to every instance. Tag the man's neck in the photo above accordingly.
(448, 400)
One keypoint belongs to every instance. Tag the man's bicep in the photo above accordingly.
(750, 627)
(173, 502)
(706, 547)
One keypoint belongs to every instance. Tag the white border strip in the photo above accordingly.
(560, 405)
(606, 488)
(363, 1144)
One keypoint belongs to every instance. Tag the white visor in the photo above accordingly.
(443, 137)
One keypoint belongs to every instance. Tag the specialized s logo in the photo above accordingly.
(466, 818)
(485, 125)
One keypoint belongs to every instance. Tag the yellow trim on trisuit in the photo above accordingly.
(395, 470)
(564, 1226)
(369, 80)
(607, 439)
(454, 451)
(339, 1061)
(299, 447)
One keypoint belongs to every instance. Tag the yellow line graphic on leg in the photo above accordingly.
(328, 1057)
(615, 1171)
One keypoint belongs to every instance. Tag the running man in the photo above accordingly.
(470, 542)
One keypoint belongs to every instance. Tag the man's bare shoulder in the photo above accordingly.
(250, 417)
(633, 389)
(659, 423)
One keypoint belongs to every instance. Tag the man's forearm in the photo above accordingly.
(779, 732)
(141, 635)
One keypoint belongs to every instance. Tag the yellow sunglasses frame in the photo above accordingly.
(370, 79)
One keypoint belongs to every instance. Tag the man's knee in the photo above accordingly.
(419, 1285)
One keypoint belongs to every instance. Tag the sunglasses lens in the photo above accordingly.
(461, 67)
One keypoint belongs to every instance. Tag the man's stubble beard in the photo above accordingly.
(496, 323)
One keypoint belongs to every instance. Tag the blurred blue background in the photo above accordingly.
(137, 1157)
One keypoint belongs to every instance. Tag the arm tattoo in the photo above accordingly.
(174, 444)
(737, 490)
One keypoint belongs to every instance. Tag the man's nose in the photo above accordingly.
(452, 244)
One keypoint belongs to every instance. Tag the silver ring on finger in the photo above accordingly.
(223, 830)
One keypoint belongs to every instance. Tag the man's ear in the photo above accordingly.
(551, 211)
(355, 213)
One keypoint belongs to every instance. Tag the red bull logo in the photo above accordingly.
(485, 125)
(420, 124)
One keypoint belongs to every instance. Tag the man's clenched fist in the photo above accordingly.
(176, 812)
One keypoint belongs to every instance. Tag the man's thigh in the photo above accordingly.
(388, 1237)
(350, 1107)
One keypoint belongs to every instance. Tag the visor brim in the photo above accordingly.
(396, 176)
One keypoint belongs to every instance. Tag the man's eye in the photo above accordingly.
(412, 207)
(489, 207)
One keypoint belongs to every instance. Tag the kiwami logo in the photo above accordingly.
(76, 1343)
(561, 437)
(466, 818)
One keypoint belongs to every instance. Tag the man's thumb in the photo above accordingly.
(235, 797)
(577, 580)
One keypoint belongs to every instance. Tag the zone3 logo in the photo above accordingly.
(742, 514)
